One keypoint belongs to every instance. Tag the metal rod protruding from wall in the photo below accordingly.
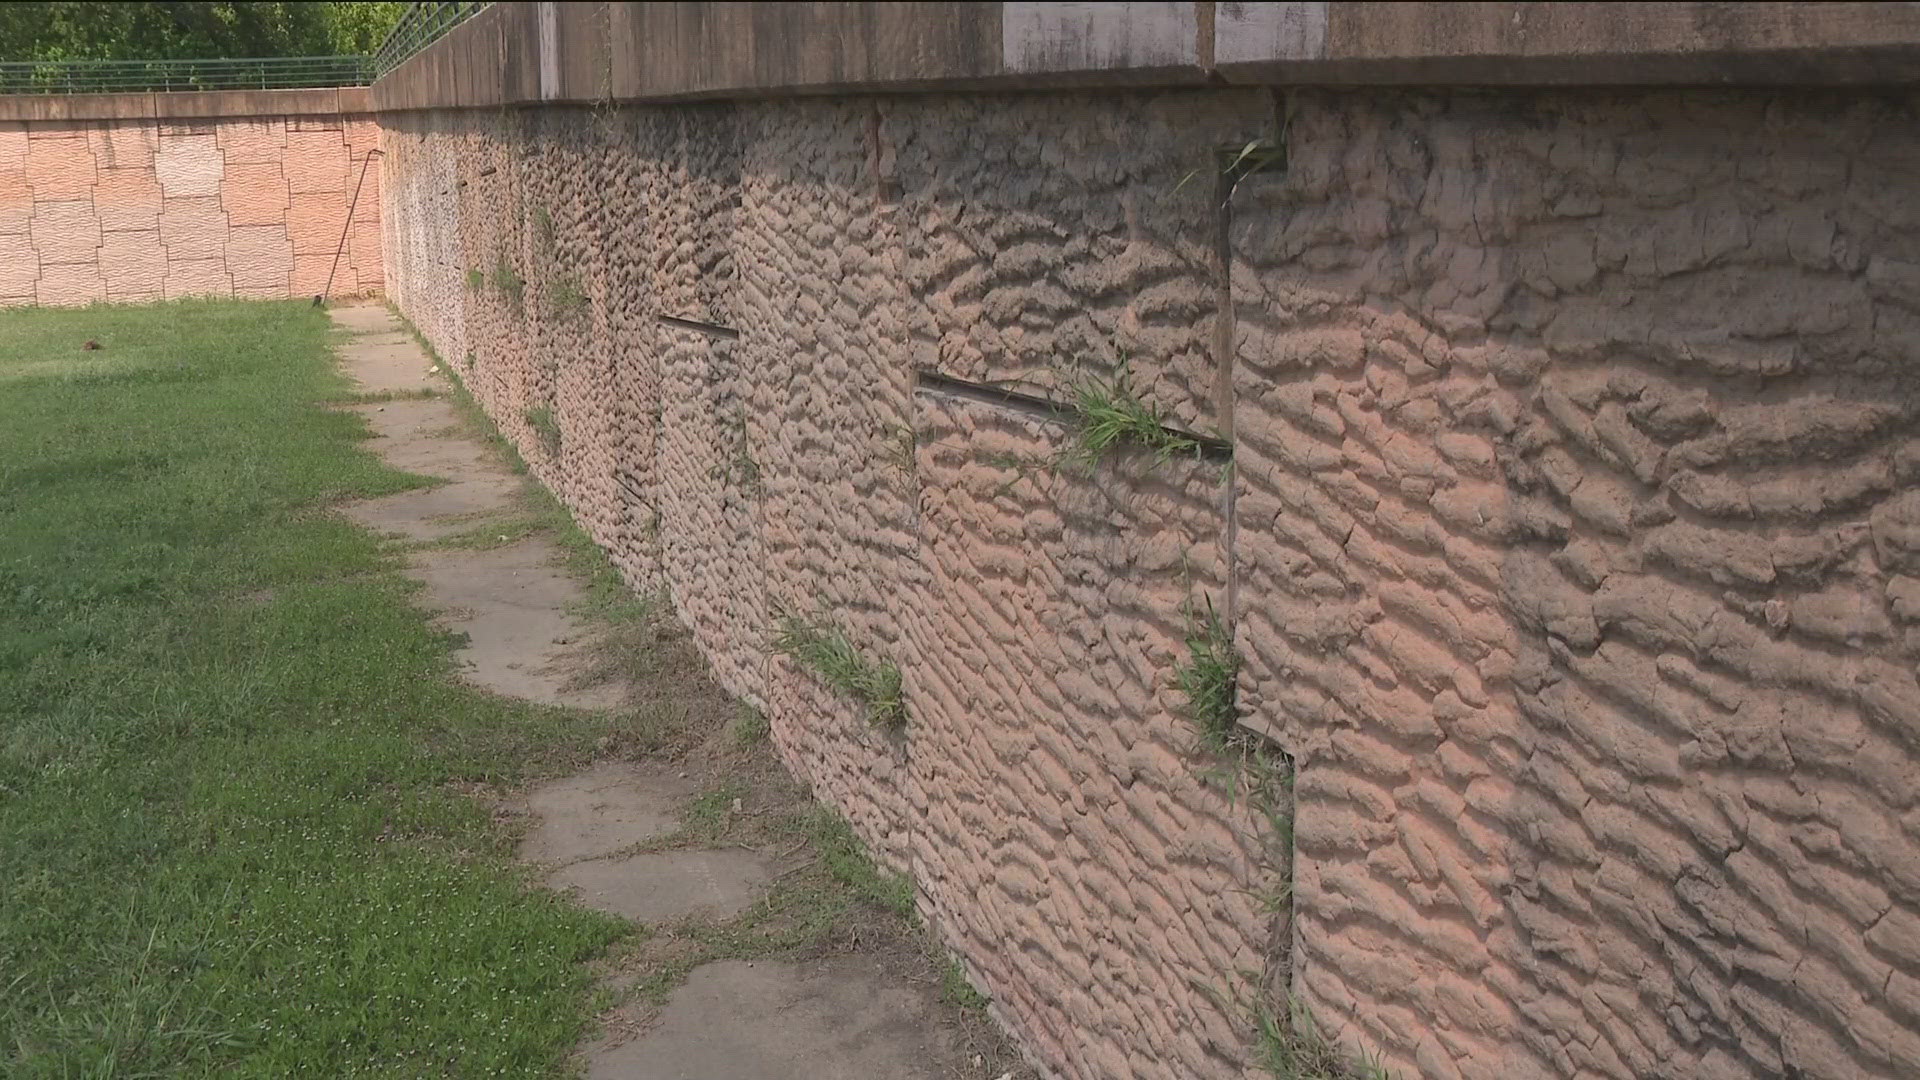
(347, 228)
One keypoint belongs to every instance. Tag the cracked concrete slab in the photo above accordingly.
(412, 435)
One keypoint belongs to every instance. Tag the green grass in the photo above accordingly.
(1292, 1047)
(507, 281)
(543, 226)
(565, 294)
(230, 750)
(1109, 416)
(476, 279)
(546, 427)
(1209, 679)
(825, 649)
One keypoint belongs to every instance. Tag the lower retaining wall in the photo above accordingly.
(147, 208)
(1570, 542)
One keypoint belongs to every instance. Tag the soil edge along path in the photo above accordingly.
(766, 946)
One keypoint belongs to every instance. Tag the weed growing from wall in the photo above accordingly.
(1109, 416)
(564, 294)
(955, 990)
(901, 444)
(1209, 680)
(751, 726)
(1233, 164)
(543, 227)
(825, 649)
(1290, 1047)
(545, 427)
(739, 467)
(508, 282)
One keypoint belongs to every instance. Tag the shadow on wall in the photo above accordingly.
(1569, 543)
(736, 415)
(1575, 433)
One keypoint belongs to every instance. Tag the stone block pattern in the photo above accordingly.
(1571, 542)
(1577, 440)
(80, 203)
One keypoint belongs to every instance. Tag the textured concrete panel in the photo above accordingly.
(126, 198)
(123, 144)
(1575, 436)
(316, 160)
(69, 285)
(57, 128)
(319, 222)
(253, 140)
(16, 200)
(193, 228)
(13, 144)
(310, 274)
(197, 277)
(60, 168)
(254, 195)
(1571, 548)
(193, 178)
(19, 267)
(259, 257)
(175, 127)
(133, 263)
(188, 165)
(65, 232)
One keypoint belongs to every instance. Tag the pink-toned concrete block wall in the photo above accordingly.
(1570, 542)
(1043, 796)
(137, 210)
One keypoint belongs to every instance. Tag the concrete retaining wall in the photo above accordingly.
(1570, 540)
(144, 197)
(1042, 795)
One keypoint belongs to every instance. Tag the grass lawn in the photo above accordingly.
(231, 837)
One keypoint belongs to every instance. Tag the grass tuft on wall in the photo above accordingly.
(827, 652)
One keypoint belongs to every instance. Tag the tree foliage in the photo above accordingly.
(182, 30)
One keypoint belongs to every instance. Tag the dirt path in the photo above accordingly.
(762, 956)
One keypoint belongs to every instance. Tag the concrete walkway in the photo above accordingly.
(838, 1018)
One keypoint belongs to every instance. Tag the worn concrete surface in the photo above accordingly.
(513, 603)
(525, 54)
(663, 886)
(391, 363)
(841, 1019)
(611, 806)
(474, 486)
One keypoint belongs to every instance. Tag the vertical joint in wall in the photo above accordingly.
(1229, 169)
